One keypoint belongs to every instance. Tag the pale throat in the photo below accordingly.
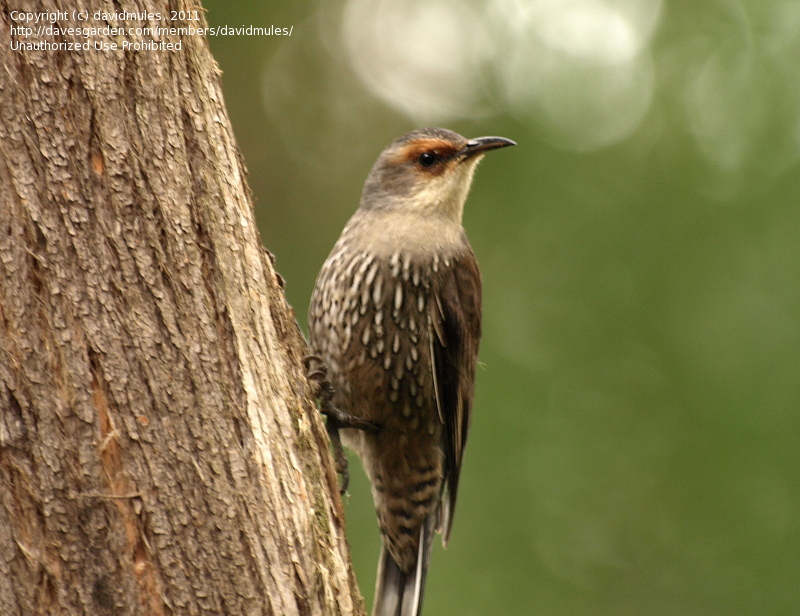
(428, 221)
(443, 196)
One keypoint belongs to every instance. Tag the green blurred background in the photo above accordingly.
(635, 446)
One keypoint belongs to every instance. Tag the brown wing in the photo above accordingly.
(456, 321)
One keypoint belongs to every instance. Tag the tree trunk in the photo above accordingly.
(159, 453)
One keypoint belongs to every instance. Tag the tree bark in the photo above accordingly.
(159, 453)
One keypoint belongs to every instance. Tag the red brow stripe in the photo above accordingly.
(412, 150)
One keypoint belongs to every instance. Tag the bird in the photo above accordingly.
(395, 317)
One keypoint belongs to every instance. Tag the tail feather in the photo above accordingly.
(398, 593)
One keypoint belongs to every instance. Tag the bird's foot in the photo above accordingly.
(335, 420)
(317, 375)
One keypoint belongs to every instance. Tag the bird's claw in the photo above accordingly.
(339, 459)
(335, 420)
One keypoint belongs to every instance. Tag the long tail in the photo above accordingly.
(398, 593)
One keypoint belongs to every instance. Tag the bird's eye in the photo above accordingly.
(427, 159)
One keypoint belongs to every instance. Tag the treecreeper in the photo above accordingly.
(395, 318)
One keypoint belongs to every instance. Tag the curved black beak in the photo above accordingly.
(479, 145)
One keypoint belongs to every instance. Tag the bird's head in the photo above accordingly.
(427, 172)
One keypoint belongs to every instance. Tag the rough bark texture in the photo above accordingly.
(159, 453)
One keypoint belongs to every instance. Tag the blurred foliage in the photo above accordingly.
(635, 446)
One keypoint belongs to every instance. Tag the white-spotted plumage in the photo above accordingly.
(396, 316)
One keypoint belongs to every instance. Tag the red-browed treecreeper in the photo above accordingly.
(396, 317)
